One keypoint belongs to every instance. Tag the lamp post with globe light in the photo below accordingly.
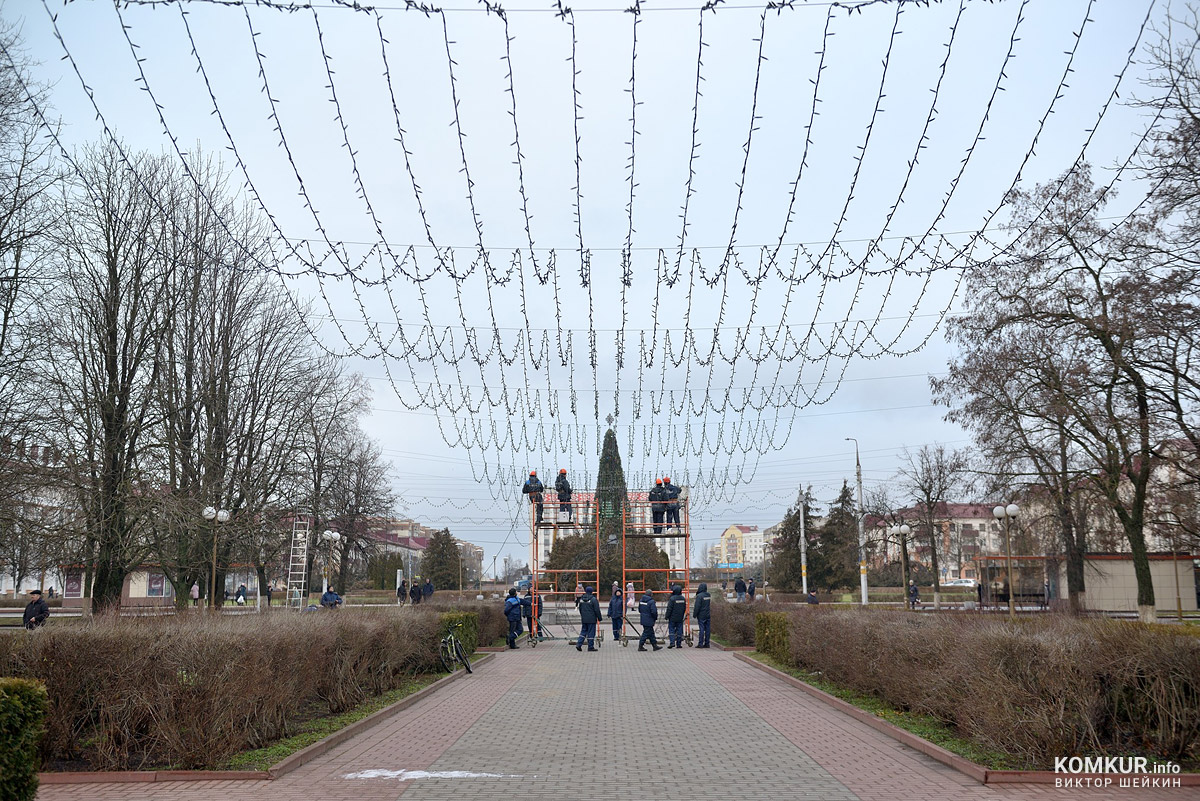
(896, 532)
(216, 517)
(1008, 514)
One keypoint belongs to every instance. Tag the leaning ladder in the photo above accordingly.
(297, 586)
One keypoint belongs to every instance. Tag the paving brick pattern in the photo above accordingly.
(615, 725)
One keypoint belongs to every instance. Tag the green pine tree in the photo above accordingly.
(439, 563)
(833, 558)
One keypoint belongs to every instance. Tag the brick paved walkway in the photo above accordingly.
(550, 723)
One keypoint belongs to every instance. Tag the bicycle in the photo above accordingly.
(451, 652)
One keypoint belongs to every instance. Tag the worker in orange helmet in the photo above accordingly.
(564, 496)
(534, 489)
(672, 505)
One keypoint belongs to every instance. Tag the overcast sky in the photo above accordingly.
(835, 237)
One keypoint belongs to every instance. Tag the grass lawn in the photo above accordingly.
(319, 728)
(924, 726)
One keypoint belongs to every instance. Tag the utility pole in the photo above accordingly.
(800, 500)
(862, 534)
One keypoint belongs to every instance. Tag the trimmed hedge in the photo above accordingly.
(771, 635)
(1035, 689)
(735, 623)
(190, 691)
(22, 715)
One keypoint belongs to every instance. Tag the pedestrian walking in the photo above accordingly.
(658, 506)
(750, 590)
(239, 597)
(578, 594)
(414, 592)
(676, 614)
(812, 597)
(914, 595)
(402, 592)
(563, 487)
(702, 611)
(270, 592)
(589, 616)
(672, 504)
(616, 611)
(36, 611)
(427, 590)
(630, 597)
(739, 589)
(648, 614)
(195, 593)
(534, 489)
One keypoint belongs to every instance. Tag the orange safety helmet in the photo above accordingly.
(667, 479)
(564, 470)
(658, 481)
(533, 472)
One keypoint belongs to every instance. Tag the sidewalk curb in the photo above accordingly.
(286, 765)
(965, 766)
(309, 753)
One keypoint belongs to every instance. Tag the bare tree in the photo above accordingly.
(104, 322)
(359, 492)
(930, 477)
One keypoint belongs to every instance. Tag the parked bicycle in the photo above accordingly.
(451, 651)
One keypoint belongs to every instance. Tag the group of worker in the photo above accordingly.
(534, 489)
(664, 500)
(530, 608)
(664, 503)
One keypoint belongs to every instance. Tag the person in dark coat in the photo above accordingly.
(914, 595)
(648, 612)
(702, 611)
(512, 613)
(564, 494)
(739, 588)
(36, 611)
(658, 505)
(414, 593)
(812, 597)
(750, 590)
(331, 600)
(531, 607)
(534, 489)
(676, 614)
(589, 616)
(402, 592)
(616, 611)
(672, 504)
(427, 590)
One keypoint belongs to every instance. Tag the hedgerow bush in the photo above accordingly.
(190, 691)
(22, 711)
(734, 623)
(1035, 689)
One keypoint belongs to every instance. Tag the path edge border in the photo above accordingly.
(284, 766)
(961, 764)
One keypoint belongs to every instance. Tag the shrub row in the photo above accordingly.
(127, 693)
(22, 712)
(734, 623)
(1036, 689)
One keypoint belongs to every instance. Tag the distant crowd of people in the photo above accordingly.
(414, 593)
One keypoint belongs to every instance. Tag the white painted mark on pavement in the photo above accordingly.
(406, 775)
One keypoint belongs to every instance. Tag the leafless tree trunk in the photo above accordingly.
(104, 322)
(930, 477)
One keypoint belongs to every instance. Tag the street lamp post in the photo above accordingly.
(1008, 514)
(895, 532)
(803, 545)
(216, 517)
(862, 534)
(331, 538)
